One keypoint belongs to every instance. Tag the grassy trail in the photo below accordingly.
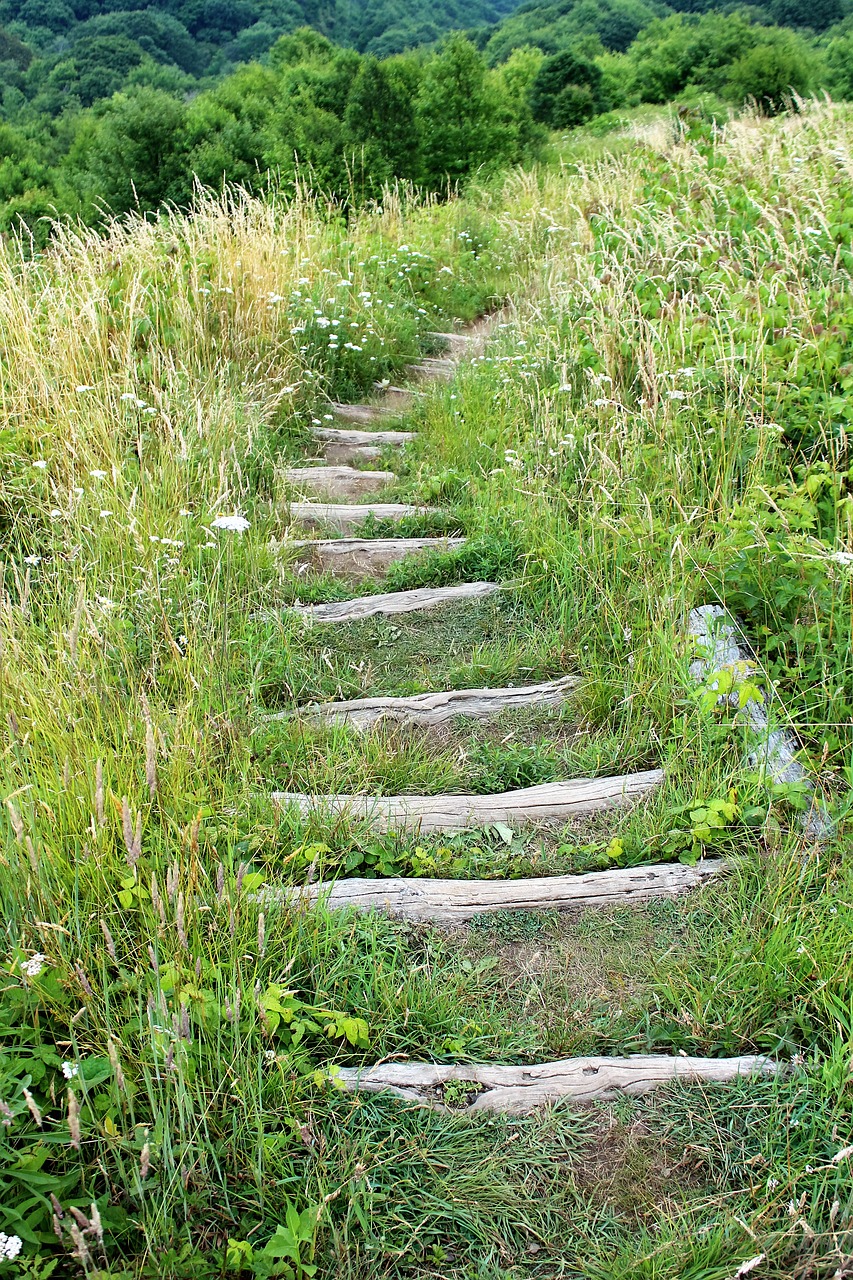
(657, 421)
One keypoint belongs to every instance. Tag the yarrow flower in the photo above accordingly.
(234, 524)
(10, 1246)
(98, 475)
(40, 463)
(33, 967)
(84, 386)
(70, 1070)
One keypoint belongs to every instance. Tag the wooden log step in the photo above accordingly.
(394, 602)
(459, 342)
(340, 445)
(515, 1090)
(432, 369)
(345, 517)
(362, 414)
(449, 902)
(552, 803)
(441, 708)
(359, 558)
(339, 482)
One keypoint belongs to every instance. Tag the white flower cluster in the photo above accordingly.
(10, 1246)
(70, 1070)
(235, 523)
(33, 967)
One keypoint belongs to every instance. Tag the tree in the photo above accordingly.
(566, 91)
(779, 64)
(380, 123)
(133, 154)
(461, 126)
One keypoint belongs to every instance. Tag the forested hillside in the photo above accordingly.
(113, 110)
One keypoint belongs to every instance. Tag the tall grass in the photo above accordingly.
(659, 421)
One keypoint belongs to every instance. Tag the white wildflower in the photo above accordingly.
(10, 1246)
(677, 395)
(837, 557)
(105, 515)
(322, 322)
(32, 559)
(40, 463)
(128, 395)
(33, 967)
(234, 524)
(772, 1184)
(70, 1070)
(84, 386)
(183, 512)
(98, 475)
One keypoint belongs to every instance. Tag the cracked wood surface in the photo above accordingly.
(449, 902)
(338, 482)
(394, 602)
(515, 1090)
(440, 708)
(551, 803)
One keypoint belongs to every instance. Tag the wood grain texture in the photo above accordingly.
(432, 370)
(345, 517)
(516, 1090)
(440, 708)
(359, 558)
(449, 902)
(552, 803)
(338, 483)
(395, 602)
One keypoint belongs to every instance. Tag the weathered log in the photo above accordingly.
(516, 1090)
(553, 803)
(394, 602)
(448, 902)
(338, 483)
(347, 517)
(440, 708)
(431, 370)
(358, 446)
(773, 751)
(363, 414)
(358, 558)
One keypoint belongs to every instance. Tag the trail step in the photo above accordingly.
(358, 558)
(346, 517)
(433, 369)
(448, 902)
(515, 1090)
(363, 414)
(439, 708)
(338, 481)
(394, 602)
(341, 445)
(553, 803)
(459, 342)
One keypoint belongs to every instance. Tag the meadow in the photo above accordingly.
(658, 420)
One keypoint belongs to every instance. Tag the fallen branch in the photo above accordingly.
(515, 1090)
(448, 902)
